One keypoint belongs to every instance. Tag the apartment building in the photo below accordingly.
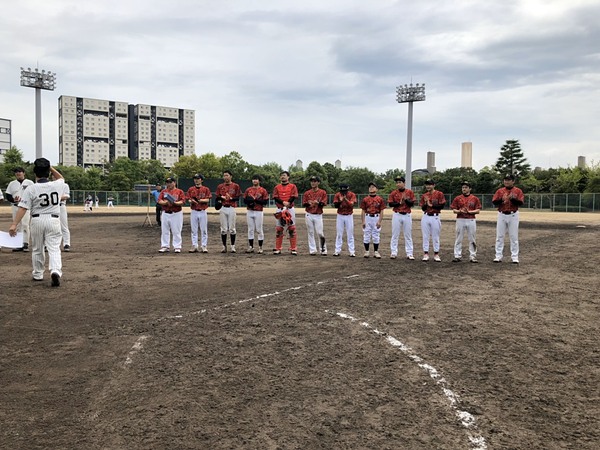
(5, 137)
(92, 132)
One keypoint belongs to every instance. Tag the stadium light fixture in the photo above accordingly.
(410, 94)
(45, 80)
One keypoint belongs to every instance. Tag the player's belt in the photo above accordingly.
(373, 215)
(226, 206)
(38, 215)
(508, 212)
(433, 214)
(400, 212)
(167, 212)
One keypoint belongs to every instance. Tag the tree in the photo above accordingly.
(358, 178)
(13, 158)
(153, 172)
(512, 160)
(270, 173)
(234, 162)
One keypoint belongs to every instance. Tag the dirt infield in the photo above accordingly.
(139, 350)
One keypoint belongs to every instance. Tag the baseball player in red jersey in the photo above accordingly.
(172, 200)
(508, 199)
(255, 199)
(228, 193)
(313, 201)
(401, 200)
(465, 206)
(344, 201)
(42, 201)
(199, 197)
(284, 195)
(432, 202)
(372, 208)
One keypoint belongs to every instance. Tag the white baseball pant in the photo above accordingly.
(510, 223)
(255, 224)
(64, 225)
(344, 222)
(199, 220)
(469, 226)
(371, 231)
(45, 232)
(171, 224)
(401, 223)
(314, 226)
(227, 216)
(24, 225)
(431, 227)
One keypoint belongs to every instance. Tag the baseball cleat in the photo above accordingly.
(276, 252)
(294, 252)
(367, 254)
(224, 249)
(55, 279)
(411, 257)
(456, 260)
(393, 256)
(425, 257)
(67, 248)
(336, 254)
(324, 253)
(193, 250)
(377, 255)
(250, 250)
(515, 261)
(437, 258)
(497, 260)
(164, 250)
(177, 250)
(260, 251)
(313, 254)
(204, 250)
(352, 255)
(473, 260)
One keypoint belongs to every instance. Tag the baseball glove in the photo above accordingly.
(286, 217)
(218, 204)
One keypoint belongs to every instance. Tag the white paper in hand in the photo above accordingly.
(11, 242)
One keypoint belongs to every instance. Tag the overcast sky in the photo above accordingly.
(312, 80)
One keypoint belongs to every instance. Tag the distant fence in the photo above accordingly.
(547, 202)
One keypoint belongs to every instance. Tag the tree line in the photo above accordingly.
(123, 173)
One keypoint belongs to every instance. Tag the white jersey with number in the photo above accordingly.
(43, 197)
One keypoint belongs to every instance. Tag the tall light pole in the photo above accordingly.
(38, 80)
(410, 94)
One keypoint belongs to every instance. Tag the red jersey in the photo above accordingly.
(437, 202)
(176, 194)
(285, 193)
(465, 203)
(198, 193)
(260, 196)
(319, 196)
(229, 192)
(372, 204)
(508, 200)
(344, 203)
(398, 200)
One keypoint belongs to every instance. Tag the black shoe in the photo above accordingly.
(20, 249)
(67, 248)
(25, 247)
(55, 280)
(456, 260)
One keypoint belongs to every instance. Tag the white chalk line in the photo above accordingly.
(466, 419)
(137, 347)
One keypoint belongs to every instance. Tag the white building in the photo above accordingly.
(5, 137)
(92, 132)
(466, 157)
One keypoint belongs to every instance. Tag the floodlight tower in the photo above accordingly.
(410, 94)
(38, 80)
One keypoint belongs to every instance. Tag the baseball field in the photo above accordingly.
(141, 350)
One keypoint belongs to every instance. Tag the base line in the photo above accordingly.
(466, 419)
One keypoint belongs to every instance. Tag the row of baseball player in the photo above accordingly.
(171, 200)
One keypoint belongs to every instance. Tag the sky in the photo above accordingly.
(280, 81)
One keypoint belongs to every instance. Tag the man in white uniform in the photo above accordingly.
(64, 219)
(14, 193)
(42, 200)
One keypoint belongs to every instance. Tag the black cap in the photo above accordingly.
(429, 181)
(373, 184)
(400, 179)
(344, 187)
(465, 183)
(315, 178)
(199, 175)
(20, 169)
(170, 180)
(509, 176)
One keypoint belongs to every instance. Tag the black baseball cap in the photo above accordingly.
(509, 176)
(465, 183)
(373, 184)
(199, 176)
(400, 179)
(344, 187)
(429, 181)
(170, 180)
(315, 178)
